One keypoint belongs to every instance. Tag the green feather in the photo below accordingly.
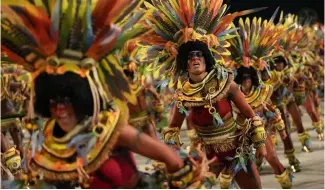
(135, 31)
(215, 20)
(170, 17)
(66, 25)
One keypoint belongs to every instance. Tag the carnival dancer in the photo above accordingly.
(149, 105)
(79, 85)
(191, 38)
(308, 54)
(250, 50)
(282, 83)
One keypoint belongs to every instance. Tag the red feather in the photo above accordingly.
(182, 14)
(16, 58)
(40, 28)
(224, 23)
(101, 12)
(103, 43)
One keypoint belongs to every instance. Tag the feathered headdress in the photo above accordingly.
(255, 42)
(79, 36)
(179, 22)
(312, 43)
(58, 36)
(289, 44)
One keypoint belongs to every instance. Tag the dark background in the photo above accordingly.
(315, 7)
(288, 6)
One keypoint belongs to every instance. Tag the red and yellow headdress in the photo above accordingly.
(289, 45)
(58, 36)
(79, 36)
(178, 22)
(255, 42)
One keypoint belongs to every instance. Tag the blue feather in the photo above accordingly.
(132, 20)
(89, 29)
(161, 34)
(55, 20)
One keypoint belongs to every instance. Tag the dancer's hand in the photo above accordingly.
(261, 152)
(283, 134)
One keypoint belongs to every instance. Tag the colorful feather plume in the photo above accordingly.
(177, 22)
(255, 41)
(289, 44)
(35, 31)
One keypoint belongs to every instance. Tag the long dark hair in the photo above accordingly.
(187, 47)
(70, 85)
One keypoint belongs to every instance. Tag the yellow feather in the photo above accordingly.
(82, 9)
(174, 6)
(247, 29)
(16, 2)
(105, 65)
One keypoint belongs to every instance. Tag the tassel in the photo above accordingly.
(163, 84)
(34, 143)
(24, 164)
(252, 155)
(270, 115)
(291, 176)
(171, 105)
(284, 92)
(243, 163)
(83, 144)
(217, 121)
(224, 73)
(183, 110)
(237, 168)
(219, 73)
(148, 161)
(40, 135)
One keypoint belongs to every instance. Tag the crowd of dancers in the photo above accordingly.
(94, 81)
